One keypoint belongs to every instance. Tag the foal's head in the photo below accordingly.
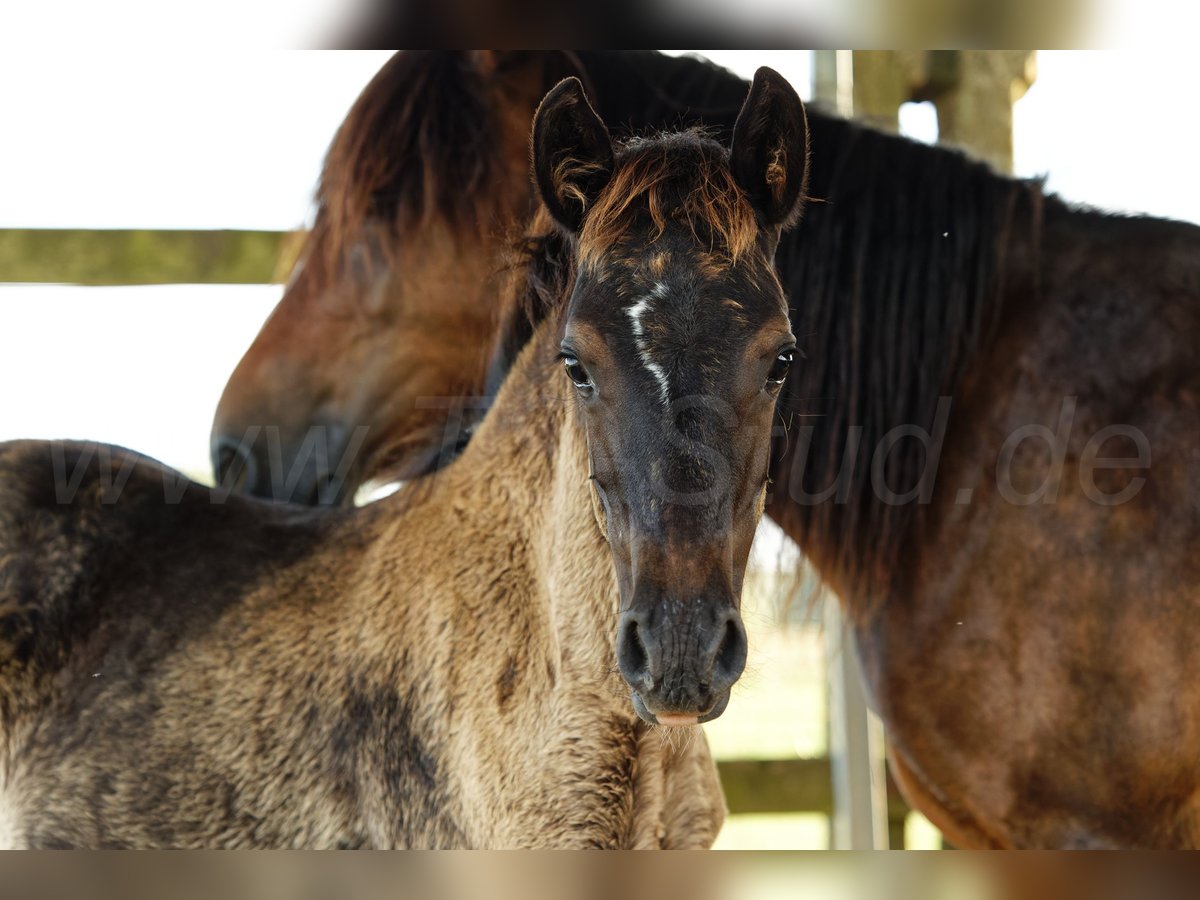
(676, 343)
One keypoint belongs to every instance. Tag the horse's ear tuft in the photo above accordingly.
(770, 149)
(572, 153)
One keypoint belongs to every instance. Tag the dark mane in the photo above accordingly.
(895, 276)
(418, 143)
(643, 91)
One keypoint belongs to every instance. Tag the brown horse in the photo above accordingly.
(967, 464)
(180, 668)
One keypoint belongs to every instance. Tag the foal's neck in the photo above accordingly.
(530, 457)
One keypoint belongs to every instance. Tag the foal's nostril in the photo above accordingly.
(730, 659)
(234, 465)
(633, 657)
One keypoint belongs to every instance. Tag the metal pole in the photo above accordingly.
(855, 734)
(856, 750)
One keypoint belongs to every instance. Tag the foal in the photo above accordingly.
(441, 668)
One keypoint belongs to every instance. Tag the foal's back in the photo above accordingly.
(139, 612)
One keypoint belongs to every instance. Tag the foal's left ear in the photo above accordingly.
(770, 149)
(572, 153)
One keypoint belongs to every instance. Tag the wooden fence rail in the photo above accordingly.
(795, 786)
(112, 257)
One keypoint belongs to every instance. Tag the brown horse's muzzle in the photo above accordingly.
(680, 654)
(267, 462)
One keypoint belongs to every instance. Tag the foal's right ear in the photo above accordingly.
(572, 153)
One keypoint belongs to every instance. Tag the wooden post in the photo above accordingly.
(884, 80)
(974, 92)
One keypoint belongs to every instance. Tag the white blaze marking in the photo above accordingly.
(657, 371)
(635, 314)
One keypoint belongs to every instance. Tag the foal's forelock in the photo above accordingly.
(679, 178)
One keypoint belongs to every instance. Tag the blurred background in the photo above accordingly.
(202, 141)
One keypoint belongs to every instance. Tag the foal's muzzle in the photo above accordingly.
(681, 657)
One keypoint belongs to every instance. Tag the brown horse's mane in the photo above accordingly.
(421, 125)
(897, 278)
(419, 143)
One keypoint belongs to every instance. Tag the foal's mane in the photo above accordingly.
(682, 177)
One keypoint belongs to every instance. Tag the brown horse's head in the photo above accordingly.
(677, 340)
(419, 187)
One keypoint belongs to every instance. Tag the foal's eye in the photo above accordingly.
(577, 373)
(780, 367)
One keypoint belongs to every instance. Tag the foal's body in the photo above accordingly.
(270, 677)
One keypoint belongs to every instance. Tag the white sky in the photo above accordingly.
(235, 138)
